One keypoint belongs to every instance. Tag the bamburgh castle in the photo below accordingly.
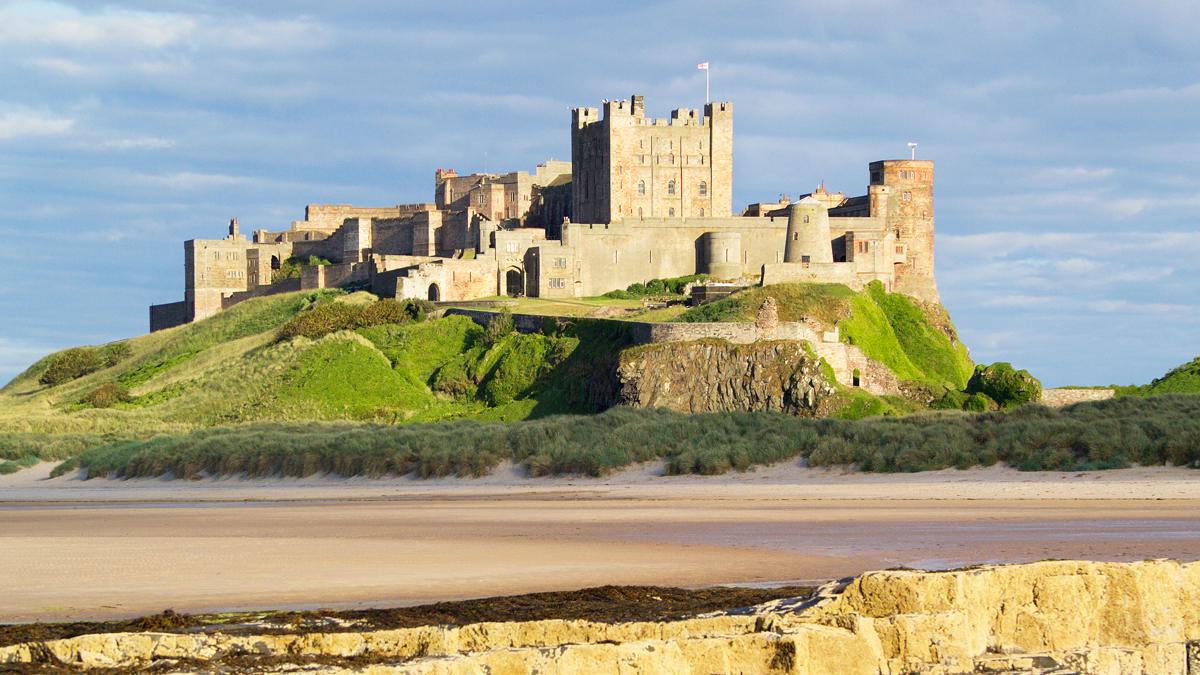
(642, 198)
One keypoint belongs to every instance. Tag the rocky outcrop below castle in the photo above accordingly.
(718, 376)
(1047, 617)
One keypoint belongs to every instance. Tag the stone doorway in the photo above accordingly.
(514, 283)
(435, 293)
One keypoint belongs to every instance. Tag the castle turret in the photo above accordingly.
(808, 236)
(902, 196)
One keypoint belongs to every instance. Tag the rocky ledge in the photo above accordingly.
(1047, 617)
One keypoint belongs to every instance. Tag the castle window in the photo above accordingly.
(671, 158)
(701, 159)
(558, 283)
(806, 218)
(907, 196)
(795, 236)
(671, 213)
(642, 159)
(671, 187)
(701, 211)
(703, 188)
(641, 187)
(805, 259)
(511, 246)
(560, 262)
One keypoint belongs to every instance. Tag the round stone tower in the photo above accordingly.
(723, 253)
(808, 238)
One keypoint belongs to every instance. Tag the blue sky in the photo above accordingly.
(1065, 136)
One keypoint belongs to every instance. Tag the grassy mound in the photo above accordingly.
(1184, 379)
(305, 356)
(916, 341)
(1099, 435)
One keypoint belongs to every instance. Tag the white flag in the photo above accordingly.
(702, 66)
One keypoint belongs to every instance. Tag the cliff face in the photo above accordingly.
(1047, 617)
(716, 376)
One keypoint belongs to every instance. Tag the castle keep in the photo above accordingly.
(642, 198)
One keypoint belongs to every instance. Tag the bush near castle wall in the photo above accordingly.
(1005, 385)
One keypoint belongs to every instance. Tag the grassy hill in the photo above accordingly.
(310, 356)
(1184, 379)
(916, 341)
(233, 368)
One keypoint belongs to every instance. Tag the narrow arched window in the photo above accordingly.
(671, 213)
(671, 187)
(703, 188)
(701, 211)
(641, 187)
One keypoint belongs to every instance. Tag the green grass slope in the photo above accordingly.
(1184, 379)
(236, 368)
(915, 340)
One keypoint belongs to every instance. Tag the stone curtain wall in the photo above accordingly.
(169, 315)
(1060, 397)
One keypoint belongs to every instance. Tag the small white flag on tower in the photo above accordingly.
(702, 66)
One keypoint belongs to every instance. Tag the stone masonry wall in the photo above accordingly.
(1060, 397)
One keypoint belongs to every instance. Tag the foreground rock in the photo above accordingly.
(1048, 617)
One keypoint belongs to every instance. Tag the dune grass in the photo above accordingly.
(1097, 435)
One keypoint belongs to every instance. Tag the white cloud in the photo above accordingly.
(993, 245)
(113, 29)
(21, 123)
(190, 180)
(1132, 307)
(61, 66)
(1072, 174)
(137, 143)
(61, 25)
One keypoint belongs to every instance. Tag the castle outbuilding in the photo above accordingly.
(642, 198)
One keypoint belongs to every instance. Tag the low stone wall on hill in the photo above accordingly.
(1046, 617)
(1056, 398)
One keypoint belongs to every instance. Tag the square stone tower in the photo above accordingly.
(901, 193)
(626, 165)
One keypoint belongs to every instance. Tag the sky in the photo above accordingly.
(1064, 133)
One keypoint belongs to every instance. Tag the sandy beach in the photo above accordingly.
(109, 548)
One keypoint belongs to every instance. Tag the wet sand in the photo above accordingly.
(109, 549)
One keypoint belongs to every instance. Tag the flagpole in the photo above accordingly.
(707, 96)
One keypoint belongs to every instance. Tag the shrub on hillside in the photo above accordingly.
(71, 364)
(332, 317)
(654, 287)
(500, 326)
(107, 395)
(1005, 385)
(112, 354)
